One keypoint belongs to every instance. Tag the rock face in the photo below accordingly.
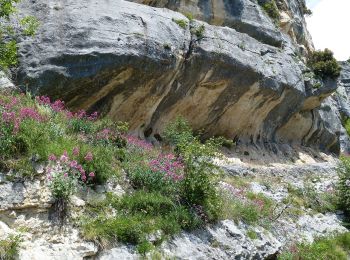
(246, 16)
(139, 64)
(243, 15)
(341, 104)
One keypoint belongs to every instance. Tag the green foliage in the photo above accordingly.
(189, 16)
(317, 85)
(7, 7)
(139, 214)
(332, 248)
(178, 132)
(199, 31)
(9, 247)
(180, 22)
(250, 208)
(50, 133)
(344, 185)
(8, 53)
(308, 197)
(29, 25)
(324, 64)
(307, 11)
(201, 174)
(252, 234)
(9, 34)
(81, 125)
(346, 124)
(271, 9)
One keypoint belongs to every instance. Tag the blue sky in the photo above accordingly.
(329, 26)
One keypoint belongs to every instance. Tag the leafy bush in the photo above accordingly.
(199, 185)
(344, 185)
(9, 34)
(9, 247)
(336, 247)
(324, 64)
(271, 9)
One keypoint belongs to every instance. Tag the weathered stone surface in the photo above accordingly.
(243, 15)
(136, 64)
(223, 241)
(339, 103)
(5, 82)
(23, 195)
(293, 22)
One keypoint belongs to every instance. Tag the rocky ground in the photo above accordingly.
(25, 209)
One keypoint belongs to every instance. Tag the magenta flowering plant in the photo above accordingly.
(169, 166)
(65, 175)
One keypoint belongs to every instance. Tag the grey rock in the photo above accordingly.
(5, 82)
(223, 241)
(243, 15)
(121, 252)
(21, 195)
(342, 105)
(115, 57)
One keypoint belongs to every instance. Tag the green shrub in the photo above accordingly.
(271, 9)
(9, 247)
(332, 248)
(199, 31)
(344, 185)
(199, 186)
(324, 64)
(9, 34)
(180, 22)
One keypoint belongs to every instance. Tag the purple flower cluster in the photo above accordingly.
(12, 114)
(56, 106)
(59, 106)
(169, 165)
(135, 142)
(69, 167)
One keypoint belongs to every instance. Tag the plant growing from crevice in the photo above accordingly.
(198, 31)
(9, 247)
(180, 22)
(323, 64)
(271, 9)
(344, 185)
(9, 33)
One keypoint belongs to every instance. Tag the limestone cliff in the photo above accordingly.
(148, 65)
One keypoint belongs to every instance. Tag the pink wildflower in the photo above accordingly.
(93, 116)
(52, 157)
(88, 157)
(64, 157)
(76, 151)
(92, 174)
(28, 112)
(57, 106)
(65, 175)
(73, 164)
(8, 117)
